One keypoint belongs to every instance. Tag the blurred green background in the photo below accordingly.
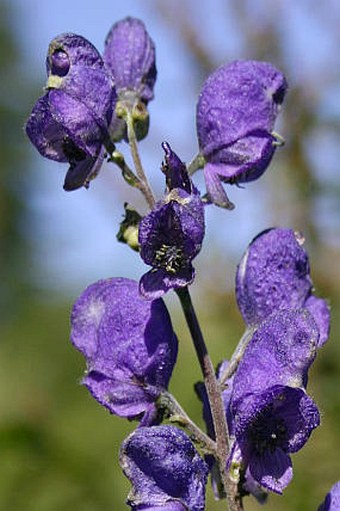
(58, 446)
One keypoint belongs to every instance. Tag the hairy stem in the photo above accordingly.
(236, 357)
(178, 415)
(215, 399)
(197, 163)
(118, 158)
(144, 184)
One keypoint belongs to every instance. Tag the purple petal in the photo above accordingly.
(301, 417)
(77, 121)
(169, 506)
(79, 51)
(273, 274)
(238, 99)
(254, 488)
(332, 499)
(245, 160)
(321, 313)
(155, 283)
(123, 398)
(277, 421)
(163, 467)
(215, 190)
(130, 56)
(236, 112)
(175, 171)
(272, 470)
(126, 341)
(171, 235)
(45, 132)
(86, 79)
(82, 172)
(279, 353)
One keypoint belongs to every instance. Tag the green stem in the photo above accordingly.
(236, 357)
(215, 399)
(178, 415)
(197, 163)
(144, 184)
(118, 158)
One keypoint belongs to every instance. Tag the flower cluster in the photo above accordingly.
(269, 412)
(257, 410)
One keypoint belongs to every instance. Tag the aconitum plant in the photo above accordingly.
(256, 406)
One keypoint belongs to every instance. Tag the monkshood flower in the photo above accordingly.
(166, 472)
(171, 235)
(274, 274)
(332, 499)
(130, 56)
(236, 112)
(129, 346)
(69, 123)
(272, 413)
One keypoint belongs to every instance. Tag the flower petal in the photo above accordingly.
(155, 283)
(130, 56)
(273, 274)
(272, 470)
(126, 341)
(321, 313)
(332, 499)
(45, 132)
(163, 467)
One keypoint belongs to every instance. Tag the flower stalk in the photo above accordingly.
(215, 399)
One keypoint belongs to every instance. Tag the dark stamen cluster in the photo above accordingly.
(169, 257)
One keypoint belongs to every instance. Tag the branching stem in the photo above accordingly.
(214, 394)
(178, 415)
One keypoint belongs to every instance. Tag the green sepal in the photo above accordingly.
(128, 232)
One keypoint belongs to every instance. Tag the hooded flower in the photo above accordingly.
(272, 413)
(69, 123)
(130, 56)
(236, 112)
(332, 499)
(129, 346)
(171, 235)
(166, 472)
(274, 274)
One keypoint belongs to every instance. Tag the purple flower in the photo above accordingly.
(273, 416)
(272, 425)
(129, 346)
(69, 123)
(332, 499)
(236, 112)
(171, 235)
(274, 274)
(166, 472)
(130, 56)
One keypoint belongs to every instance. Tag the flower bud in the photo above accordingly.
(130, 57)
